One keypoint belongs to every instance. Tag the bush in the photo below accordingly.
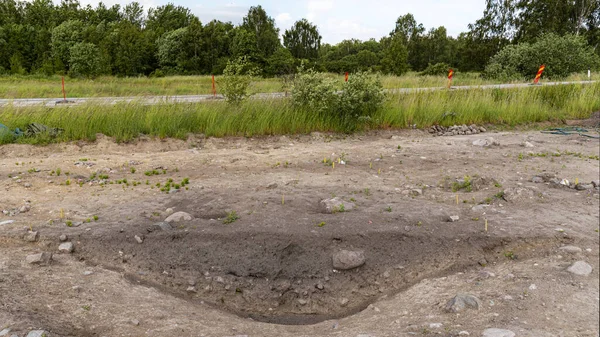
(562, 55)
(438, 69)
(237, 76)
(360, 98)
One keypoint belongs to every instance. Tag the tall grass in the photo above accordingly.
(50, 87)
(126, 122)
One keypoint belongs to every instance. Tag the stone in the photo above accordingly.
(87, 273)
(4, 332)
(38, 333)
(493, 332)
(348, 259)
(485, 142)
(302, 301)
(583, 187)
(63, 237)
(596, 183)
(480, 208)
(416, 192)
(537, 180)
(6, 222)
(461, 302)
(435, 325)
(527, 144)
(482, 129)
(570, 249)
(335, 205)
(580, 268)
(319, 286)
(179, 216)
(25, 208)
(532, 287)
(344, 301)
(453, 218)
(272, 186)
(135, 322)
(163, 225)
(463, 333)
(31, 236)
(27, 185)
(39, 258)
(66, 247)
(169, 211)
(139, 239)
(191, 290)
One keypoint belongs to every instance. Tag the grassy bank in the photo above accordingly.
(266, 117)
(50, 87)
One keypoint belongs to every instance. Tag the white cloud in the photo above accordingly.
(283, 19)
(319, 5)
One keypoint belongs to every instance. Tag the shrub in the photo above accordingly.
(313, 91)
(438, 69)
(84, 60)
(562, 55)
(237, 76)
(361, 97)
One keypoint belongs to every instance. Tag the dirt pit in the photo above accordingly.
(431, 217)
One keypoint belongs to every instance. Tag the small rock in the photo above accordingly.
(335, 205)
(191, 290)
(596, 183)
(537, 180)
(461, 301)
(27, 185)
(169, 211)
(302, 301)
(533, 287)
(435, 325)
(87, 273)
(66, 247)
(165, 226)
(319, 286)
(453, 218)
(570, 249)
(580, 268)
(38, 333)
(76, 288)
(482, 129)
(344, 301)
(4, 332)
(135, 322)
(25, 208)
(480, 208)
(497, 333)
(6, 222)
(463, 333)
(348, 259)
(139, 239)
(39, 258)
(416, 192)
(583, 187)
(272, 186)
(63, 237)
(487, 142)
(527, 144)
(31, 236)
(179, 216)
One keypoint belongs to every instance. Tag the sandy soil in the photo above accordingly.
(270, 273)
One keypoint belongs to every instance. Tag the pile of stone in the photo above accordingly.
(456, 130)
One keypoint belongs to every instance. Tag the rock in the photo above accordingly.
(31, 236)
(25, 208)
(344, 301)
(596, 183)
(348, 259)
(482, 129)
(6, 222)
(527, 144)
(580, 268)
(39, 258)
(537, 180)
(169, 211)
(191, 290)
(165, 226)
(570, 249)
(334, 205)
(66, 247)
(583, 187)
(532, 287)
(416, 192)
(87, 273)
(463, 333)
(63, 237)
(462, 301)
(493, 332)
(38, 333)
(480, 208)
(179, 216)
(76, 289)
(485, 142)
(139, 239)
(135, 322)
(302, 301)
(319, 286)
(272, 186)
(453, 218)
(4, 332)
(435, 325)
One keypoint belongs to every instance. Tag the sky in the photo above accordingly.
(336, 20)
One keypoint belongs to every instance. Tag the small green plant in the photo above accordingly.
(68, 182)
(103, 176)
(88, 220)
(464, 184)
(510, 255)
(367, 191)
(86, 307)
(520, 158)
(69, 223)
(352, 199)
(497, 185)
(321, 224)
(231, 217)
(500, 195)
(57, 171)
(388, 209)
(95, 218)
(132, 170)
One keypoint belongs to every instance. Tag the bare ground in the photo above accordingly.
(269, 273)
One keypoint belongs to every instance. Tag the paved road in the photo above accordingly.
(151, 100)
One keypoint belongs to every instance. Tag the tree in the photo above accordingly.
(263, 27)
(134, 14)
(167, 18)
(84, 60)
(280, 63)
(237, 76)
(410, 34)
(217, 44)
(395, 55)
(303, 40)
(64, 36)
(170, 50)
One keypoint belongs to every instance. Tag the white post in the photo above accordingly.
(589, 75)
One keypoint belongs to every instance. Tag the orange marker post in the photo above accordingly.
(63, 90)
(539, 74)
(346, 77)
(213, 87)
(450, 74)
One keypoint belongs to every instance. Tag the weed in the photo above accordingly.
(367, 191)
(57, 171)
(95, 217)
(388, 209)
(520, 158)
(132, 170)
(87, 307)
(497, 184)
(88, 220)
(231, 217)
(500, 195)
(68, 182)
(510, 255)
(69, 223)
(321, 224)
(103, 176)
(352, 199)
(464, 184)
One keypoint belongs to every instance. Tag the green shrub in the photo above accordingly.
(237, 76)
(362, 96)
(438, 69)
(313, 91)
(562, 55)
(84, 60)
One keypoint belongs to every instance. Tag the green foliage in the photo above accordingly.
(438, 69)
(303, 40)
(395, 56)
(362, 96)
(64, 36)
(313, 91)
(231, 217)
(236, 80)
(562, 55)
(84, 60)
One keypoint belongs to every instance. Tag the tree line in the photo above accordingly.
(39, 37)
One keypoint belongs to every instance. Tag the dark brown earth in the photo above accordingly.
(269, 273)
